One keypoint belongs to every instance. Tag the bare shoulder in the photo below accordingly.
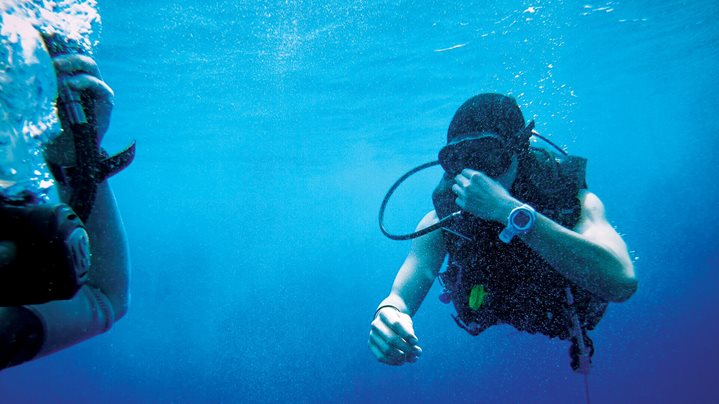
(428, 220)
(592, 206)
(593, 215)
(594, 225)
(430, 247)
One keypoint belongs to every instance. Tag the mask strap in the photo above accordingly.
(533, 132)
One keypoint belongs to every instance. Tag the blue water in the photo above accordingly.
(267, 135)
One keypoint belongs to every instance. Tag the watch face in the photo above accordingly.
(521, 219)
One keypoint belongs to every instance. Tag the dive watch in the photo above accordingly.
(520, 221)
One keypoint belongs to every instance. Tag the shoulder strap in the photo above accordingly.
(574, 169)
(551, 171)
(551, 182)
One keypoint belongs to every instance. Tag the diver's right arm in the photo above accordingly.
(104, 298)
(392, 339)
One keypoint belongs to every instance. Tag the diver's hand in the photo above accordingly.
(392, 339)
(482, 196)
(81, 74)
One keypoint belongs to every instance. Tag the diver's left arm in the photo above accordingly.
(592, 255)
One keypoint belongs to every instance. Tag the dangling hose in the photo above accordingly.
(576, 331)
(443, 221)
(418, 233)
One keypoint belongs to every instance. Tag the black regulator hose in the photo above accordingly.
(418, 233)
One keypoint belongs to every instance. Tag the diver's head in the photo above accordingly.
(28, 118)
(487, 134)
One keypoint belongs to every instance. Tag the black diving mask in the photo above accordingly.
(485, 152)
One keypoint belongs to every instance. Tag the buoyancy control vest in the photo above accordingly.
(518, 287)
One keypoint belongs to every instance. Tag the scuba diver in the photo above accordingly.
(528, 244)
(64, 265)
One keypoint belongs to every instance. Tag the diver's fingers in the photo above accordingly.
(473, 175)
(86, 82)
(401, 324)
(73, 63)
(458, 190)
(461, 180)
(383, 330)
(469, 173)
(380, 357)
(384, 352)
(385, 360)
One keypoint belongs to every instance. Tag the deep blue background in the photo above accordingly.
(268, 133)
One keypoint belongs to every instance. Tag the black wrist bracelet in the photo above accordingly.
(382, 307)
